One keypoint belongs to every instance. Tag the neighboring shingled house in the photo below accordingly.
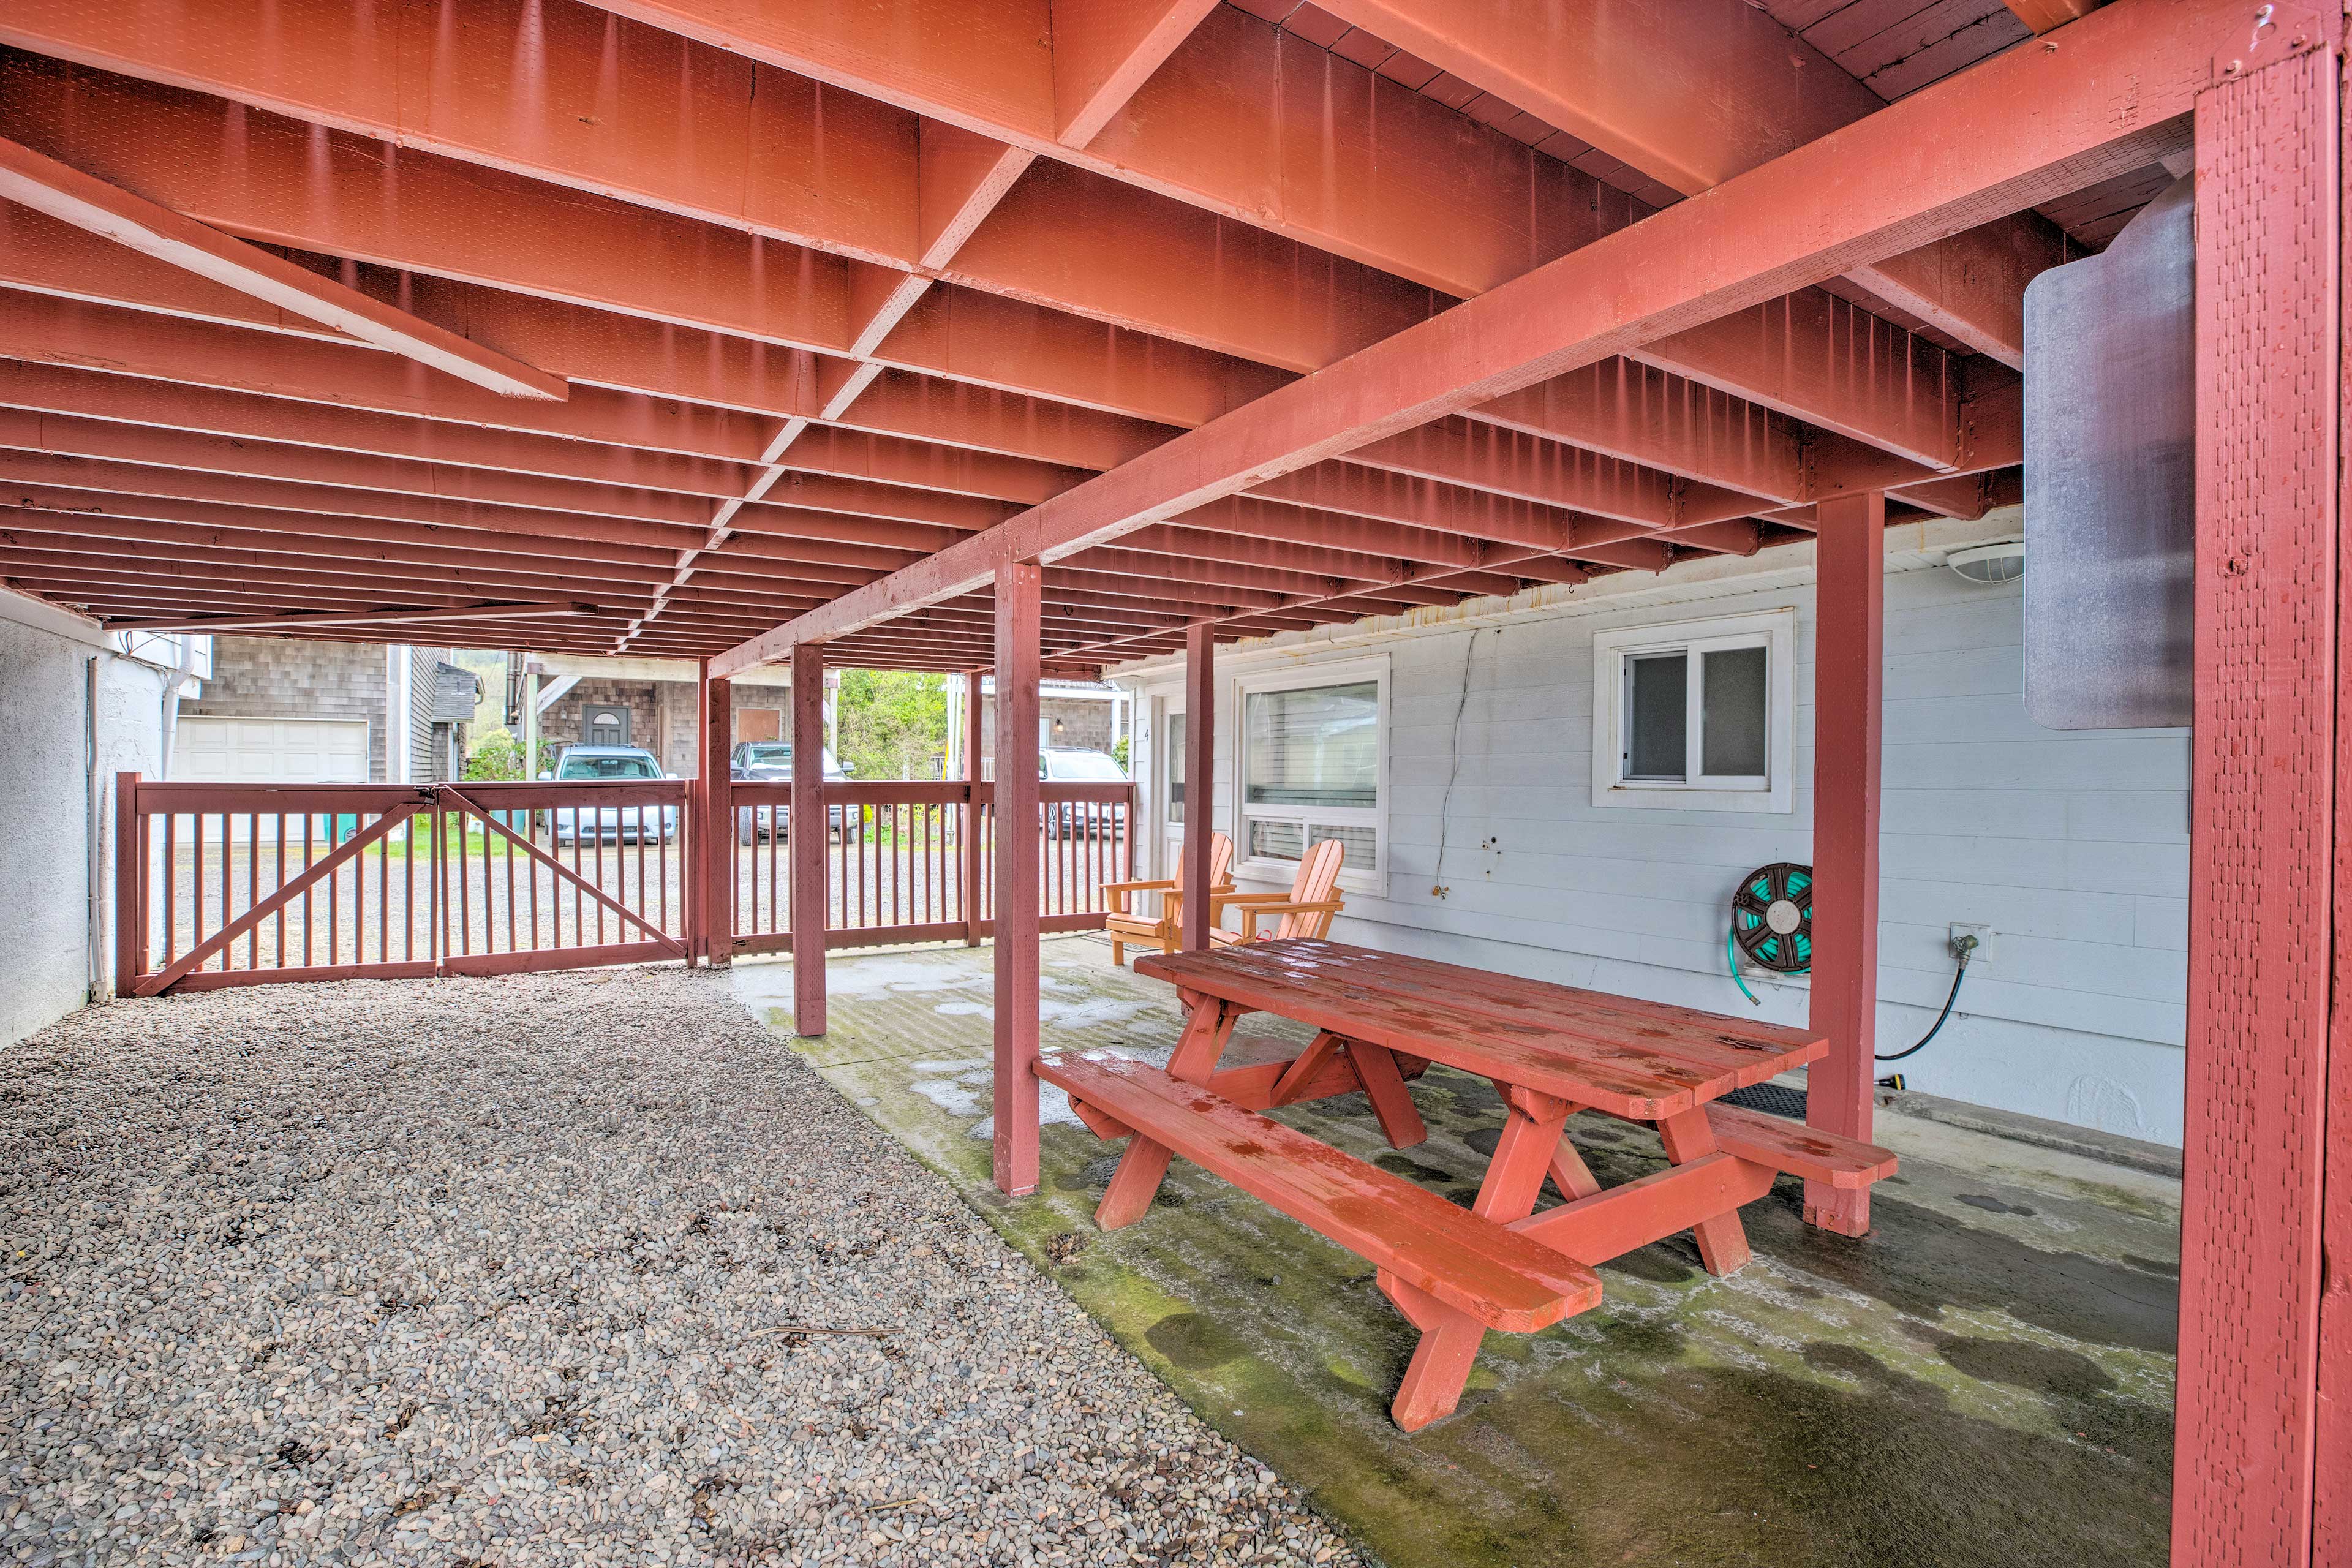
(279, 711)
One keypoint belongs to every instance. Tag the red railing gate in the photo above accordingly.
(250, 884)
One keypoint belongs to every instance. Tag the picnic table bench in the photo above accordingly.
(1382, 1019)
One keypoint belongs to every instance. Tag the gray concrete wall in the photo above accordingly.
(1085, 722)
(46, 726)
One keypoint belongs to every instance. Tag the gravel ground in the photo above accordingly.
(505, 1271)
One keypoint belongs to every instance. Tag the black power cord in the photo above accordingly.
(1966, 947)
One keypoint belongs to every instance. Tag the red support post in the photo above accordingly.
(2267, 849)
(1019, 834)
(1200, 792)
(713, 912)
(2332, 1501)
(130, 885)
(1849, 690)
(972, 737)
(806, 831)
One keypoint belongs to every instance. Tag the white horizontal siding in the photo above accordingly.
(2073, 847)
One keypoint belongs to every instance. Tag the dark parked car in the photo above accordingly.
(770, 762)
(1074, 765)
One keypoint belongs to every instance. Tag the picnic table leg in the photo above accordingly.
(1570, 1174)
(1303, 1068)
(1439, 1368)
(1723, 1241)
(1137, 1180)
(1391, 1101)
(1441, 1363)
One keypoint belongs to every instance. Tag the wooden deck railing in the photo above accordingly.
(239, 884)
(913, 862)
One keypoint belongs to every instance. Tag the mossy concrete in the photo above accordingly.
(1986, 1378)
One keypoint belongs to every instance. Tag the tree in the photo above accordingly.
(498, 756)
(893, 723)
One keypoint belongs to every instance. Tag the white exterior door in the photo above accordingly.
(269, 751)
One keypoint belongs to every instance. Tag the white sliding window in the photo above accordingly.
(1313, 766)
(1695, 715)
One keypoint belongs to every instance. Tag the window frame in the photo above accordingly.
(1614, 649)
(1298, 678)
(1166, 749)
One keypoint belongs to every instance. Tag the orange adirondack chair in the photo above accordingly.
(1166, 932)
(1306, 911)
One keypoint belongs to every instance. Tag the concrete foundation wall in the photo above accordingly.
(46, 734)
(2074, 846)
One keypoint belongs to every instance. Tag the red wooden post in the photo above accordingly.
(972, 742)
(1018, 838)
(130, 885)
(2265, 849)
(1200, 793)
(806, 830)
(714, 911)
(1849, 681)
(2332, 1470)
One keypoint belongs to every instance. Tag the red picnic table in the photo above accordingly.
(1551, 1050)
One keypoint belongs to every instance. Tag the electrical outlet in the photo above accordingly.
(1983, 934)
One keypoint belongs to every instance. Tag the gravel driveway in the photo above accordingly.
(508, 1271)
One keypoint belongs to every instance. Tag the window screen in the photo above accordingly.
(1658, 692)
(1732, 713)
(1176, 767)
(1358, 845)
(1311, 771)
(1316, 746)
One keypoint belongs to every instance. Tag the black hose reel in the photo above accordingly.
(1772, 916)
(1772, 928)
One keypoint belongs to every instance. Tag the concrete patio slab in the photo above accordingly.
(1985, 1378)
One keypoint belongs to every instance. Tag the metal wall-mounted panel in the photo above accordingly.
(2110, 479)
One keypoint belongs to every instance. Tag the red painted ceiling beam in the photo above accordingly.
(331, 621)
(59, 480)
(1947, 158)
(975, 336)
(1125, 260)
(1694, 92)
(163, 406)
(46, 186)
(1436, 505)
(48, 332)
(325, 538)
(1814, 356)
(1234, 64)
(59, 331)
(631, 355)
(159, 446)
(332, 192)
(228, 569)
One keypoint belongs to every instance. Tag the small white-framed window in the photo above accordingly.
(1696, 715)
(1312, 765)
(1171, 771)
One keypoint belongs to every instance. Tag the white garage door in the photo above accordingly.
(270, 751)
